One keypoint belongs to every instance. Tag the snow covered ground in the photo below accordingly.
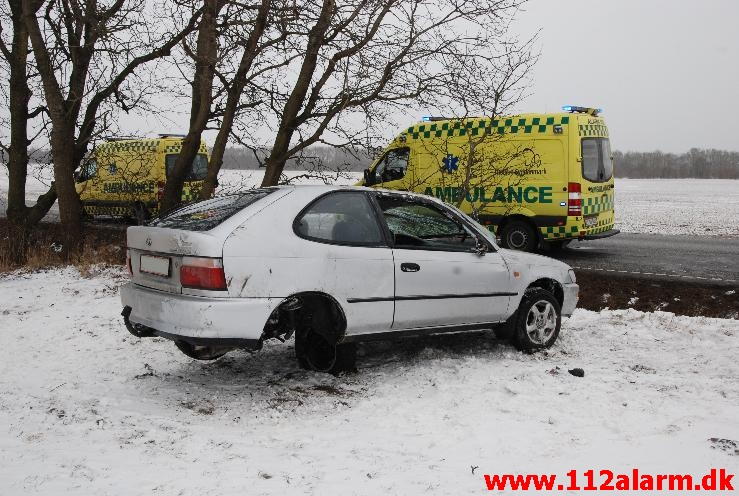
(702, 207)
(85, 408)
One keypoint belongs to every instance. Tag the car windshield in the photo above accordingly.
(207, 214)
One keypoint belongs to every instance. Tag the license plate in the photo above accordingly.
(591, 220)
(154, 265)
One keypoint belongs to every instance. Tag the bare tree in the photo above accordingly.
(362, 59)
(20, 216)
(205, 56)
(85, 53)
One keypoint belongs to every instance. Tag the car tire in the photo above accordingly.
(519, 235)
(315, 353)
(204, 353)
(537, 321)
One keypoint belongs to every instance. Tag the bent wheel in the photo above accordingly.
(201, 352)
(315, 353)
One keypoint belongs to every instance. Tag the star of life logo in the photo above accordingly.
(450, 163)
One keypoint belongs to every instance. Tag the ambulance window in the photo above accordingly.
(393, 165)
(88, 170)
(198, 169)
(605, 153)
(590, 165)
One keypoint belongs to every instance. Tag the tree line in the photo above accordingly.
(696, 163)
(315, 72)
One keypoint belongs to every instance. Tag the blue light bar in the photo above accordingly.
(582, 110)
(426, 118)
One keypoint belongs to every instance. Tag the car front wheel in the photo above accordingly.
(537, 322)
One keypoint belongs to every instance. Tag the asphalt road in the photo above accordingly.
(652, 256)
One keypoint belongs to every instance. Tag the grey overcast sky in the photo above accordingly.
(665, 73)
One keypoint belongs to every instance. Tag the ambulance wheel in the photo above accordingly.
(201, 352)
(537, 322)
(519, 235)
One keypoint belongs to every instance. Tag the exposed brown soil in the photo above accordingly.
(599, 291)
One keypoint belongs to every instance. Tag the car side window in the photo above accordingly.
(345, 217)
(421, 225)
(393, 165)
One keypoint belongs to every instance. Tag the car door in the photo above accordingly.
(441, 279)
(349, 258)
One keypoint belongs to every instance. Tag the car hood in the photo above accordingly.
(515, 257)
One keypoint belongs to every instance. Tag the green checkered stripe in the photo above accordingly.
(596, 204)
(606, 227)
(599, 130)
(486, 126)
(190, 194)
(114, 211)
(177, 148)
(149, 145)
(553, 232)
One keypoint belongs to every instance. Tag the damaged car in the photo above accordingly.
(332, 266)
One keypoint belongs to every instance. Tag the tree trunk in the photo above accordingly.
(70, 208)
(232, 101)
(275, 163)
(202, 97)
(20, 217)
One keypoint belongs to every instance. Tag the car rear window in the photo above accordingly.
(207, 214)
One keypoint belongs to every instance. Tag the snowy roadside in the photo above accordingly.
(85, 408)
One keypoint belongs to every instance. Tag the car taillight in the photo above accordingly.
(128, 263)
(160, 190)
(574, 199)
(203, 273)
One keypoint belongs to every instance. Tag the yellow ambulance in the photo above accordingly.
(126, 177)
(533, 179)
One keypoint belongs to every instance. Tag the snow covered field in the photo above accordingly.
(702, 207)
(85, 408)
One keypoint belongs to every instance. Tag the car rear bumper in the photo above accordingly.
(197, 319)
(571, 295)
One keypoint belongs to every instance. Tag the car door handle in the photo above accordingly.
(410, 267)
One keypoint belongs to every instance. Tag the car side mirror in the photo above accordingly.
(481, 248)
(367, 177)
